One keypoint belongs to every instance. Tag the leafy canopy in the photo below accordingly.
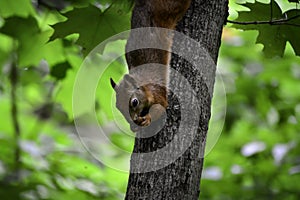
(93, 25)
(274, 28)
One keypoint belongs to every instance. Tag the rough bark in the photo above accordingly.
(175, 172)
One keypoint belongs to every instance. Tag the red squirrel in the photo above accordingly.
(142, 94)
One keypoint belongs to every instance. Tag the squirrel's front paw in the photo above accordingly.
(146, 120)
(143, 121)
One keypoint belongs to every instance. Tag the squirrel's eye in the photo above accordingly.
(134, 102)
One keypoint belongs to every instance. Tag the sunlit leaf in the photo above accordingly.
(6, 46)
(22, 8)
(54, 52)
(31, 40)
(64, 95)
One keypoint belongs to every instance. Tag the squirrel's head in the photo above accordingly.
(131, 98)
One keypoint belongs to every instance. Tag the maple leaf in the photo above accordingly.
(93, 25)
(272, 34)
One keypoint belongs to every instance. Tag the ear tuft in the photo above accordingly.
(113, 84)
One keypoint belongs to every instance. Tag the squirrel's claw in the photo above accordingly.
(143, 121)
(146, 120)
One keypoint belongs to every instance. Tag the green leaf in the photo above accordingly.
(273, 36)
(6, 45)
(22, 8)
(30, 75)
(31, 40)
(64, 95)
(59, 71)
(122, 6)
(293, 32)
(54, 52)
(92, 25)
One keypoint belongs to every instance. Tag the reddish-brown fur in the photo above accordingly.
(149, 13)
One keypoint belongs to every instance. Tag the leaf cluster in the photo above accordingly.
(275, 27)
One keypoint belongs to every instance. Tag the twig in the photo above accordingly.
(14, 114)
(271, 22)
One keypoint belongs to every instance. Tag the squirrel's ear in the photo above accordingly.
(113, 84)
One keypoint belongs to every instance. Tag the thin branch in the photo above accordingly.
(290, 24)
(271, 22)
(14, 115)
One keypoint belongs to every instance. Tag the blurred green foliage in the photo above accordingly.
(258, 153)
(257, 156)
(53, 164)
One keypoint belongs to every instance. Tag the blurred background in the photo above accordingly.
(256, 156)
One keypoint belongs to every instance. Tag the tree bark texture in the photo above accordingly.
(163, 175)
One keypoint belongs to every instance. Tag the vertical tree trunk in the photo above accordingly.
(168, 164)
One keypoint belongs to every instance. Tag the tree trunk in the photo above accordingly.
(168, 164)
